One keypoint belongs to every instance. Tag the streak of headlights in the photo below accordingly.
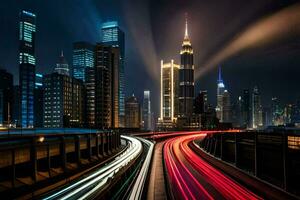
(138, 187)
(90, 184)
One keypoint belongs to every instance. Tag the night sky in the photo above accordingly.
(154, 31)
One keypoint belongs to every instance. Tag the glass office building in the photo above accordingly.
(83, 58)
(112, 35)
(27, 29)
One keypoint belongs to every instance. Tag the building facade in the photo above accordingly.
(132, 113)
(63, 101)
(83, 58)
(147, 118)
(112, 35)
(39, 101)
(226, 108)
(102, 87)
(6, 98)
(27, 62)
(186, 77)
(169, 81)
(257, 112)
(246, 109)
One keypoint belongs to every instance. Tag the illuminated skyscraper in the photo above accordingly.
(186, 77)
(83, 57)
(226, 107)
(147, 111)
(113, 36)
(62, 67)
(169, 92)
(201, 103)
(27, 29)
(220, 92)
(257, 112)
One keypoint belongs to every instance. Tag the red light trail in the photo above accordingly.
(191, 177)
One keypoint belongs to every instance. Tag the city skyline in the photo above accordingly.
(240, 73)
(140, 99)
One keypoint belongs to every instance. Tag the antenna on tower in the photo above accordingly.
(186, 35)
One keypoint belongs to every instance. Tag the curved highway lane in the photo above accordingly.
(191, 177)
(88, 186)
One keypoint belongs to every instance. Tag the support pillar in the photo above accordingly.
(77, 149)
(255, 155)
(236, 149)
(97, 144)
(284, 159)
(89, 147)
(49, 160)
(221, 152)
(33, 159)
(13, 162)
(63, 155)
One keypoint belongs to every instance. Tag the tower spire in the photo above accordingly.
(220, 74)
(186, 34)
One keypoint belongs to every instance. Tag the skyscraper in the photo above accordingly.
(38, 99)
(132, 113)
(220, 92)
(27, 29)
(83, 57)
(147, 111)
(62, 67)
(6, 98)
(169, 92)
(102, 87)
(186, 77)
(113, 36)
(63, 101)
(201, 103)
(277, 112)
(246, 109)
(257, 112)
(226, 107)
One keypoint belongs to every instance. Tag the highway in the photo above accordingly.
(88, 186)
(191, 177)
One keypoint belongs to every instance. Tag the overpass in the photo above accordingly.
(33, 158)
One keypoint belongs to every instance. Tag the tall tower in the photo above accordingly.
(186, 76)
(27, 29)
(169, 91)
(147, 110)
(256, 109)
(62, 67)
(220, 92)
(112, 35)
(83, 58)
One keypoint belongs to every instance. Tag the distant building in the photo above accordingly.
(277, 112)
(220, 92)
(201, 103)
(62, 67)
(257, 112)
(169, 91)
(6, 98)
(132, 113)
(83, 58)
(186, 77)
(27, 61)
(147, 118)
(226, 107)
(102, 87)
(112, 35)
(39, 101)
(63, 101)
(246, 109)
